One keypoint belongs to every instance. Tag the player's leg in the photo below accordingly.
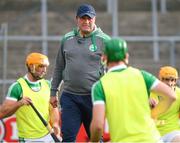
(70, 116)
(176, 139)
(172, 137)
(87, 113)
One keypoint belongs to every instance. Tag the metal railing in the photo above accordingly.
(45, 38)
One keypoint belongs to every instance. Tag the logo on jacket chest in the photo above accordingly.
(93, 48)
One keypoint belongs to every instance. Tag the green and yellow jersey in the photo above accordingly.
(28, 123)
(15, 90)
(169, 121)
(125, 93)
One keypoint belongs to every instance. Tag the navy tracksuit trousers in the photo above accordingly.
(75, 109)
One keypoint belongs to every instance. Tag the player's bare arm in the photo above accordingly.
(55, 120)
(9, 107)
(97, 123)
(162, 89)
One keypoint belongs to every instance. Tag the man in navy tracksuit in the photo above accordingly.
(78, 64)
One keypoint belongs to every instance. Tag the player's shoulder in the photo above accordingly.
(47, 82)
(15, 85)
(14, 90)
(68, 35)
(99, 33)
(177, 90)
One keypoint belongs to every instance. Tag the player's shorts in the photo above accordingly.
(170, 136)
(46, 138)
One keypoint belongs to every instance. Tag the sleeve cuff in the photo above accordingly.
(53, 92)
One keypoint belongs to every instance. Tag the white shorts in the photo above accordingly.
(167, 138)
(47, 138)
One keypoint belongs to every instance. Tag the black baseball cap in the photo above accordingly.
(86, 9)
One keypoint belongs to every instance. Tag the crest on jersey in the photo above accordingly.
(93, 48)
